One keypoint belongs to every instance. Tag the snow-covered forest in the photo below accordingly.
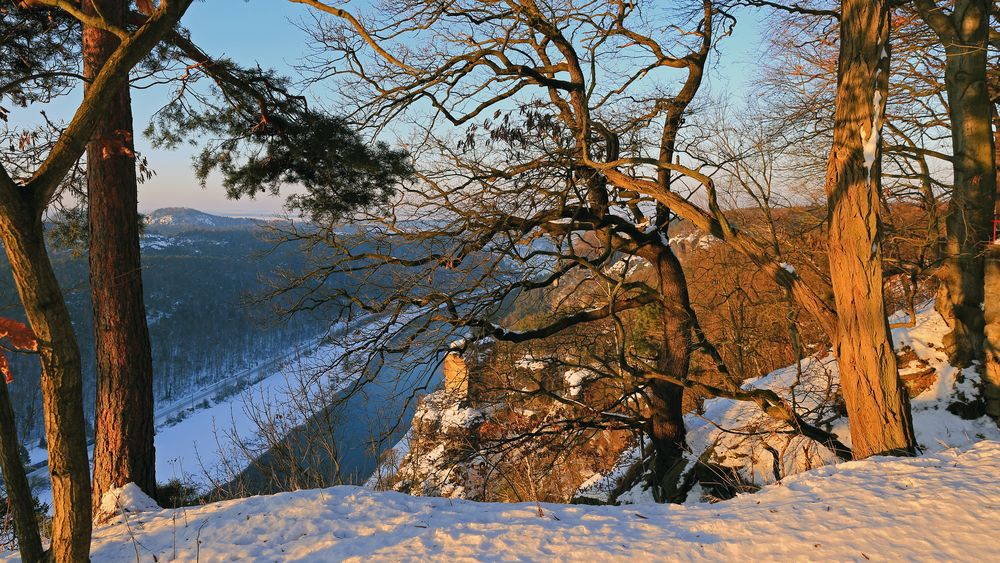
(544, 279)
(197, 280)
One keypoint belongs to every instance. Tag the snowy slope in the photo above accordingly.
(199, 447)
(738, 435)
(935, 508)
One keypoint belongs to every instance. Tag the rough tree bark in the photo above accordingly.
(62, 388)
(123, 417)
(667, 431)
(964, 34)
(991, 308)
(877, 405)
(15, 481)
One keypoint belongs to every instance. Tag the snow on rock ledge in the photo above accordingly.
(940, 507)
(748, 449)
(440, 449)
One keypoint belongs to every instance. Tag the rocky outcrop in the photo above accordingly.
(456, 377)
(442, 457)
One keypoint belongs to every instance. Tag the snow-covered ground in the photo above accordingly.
(738, 435)
(941, 507)
(200, 445)
(195, 435)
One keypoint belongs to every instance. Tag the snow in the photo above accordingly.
(151, 241)
(198, 448)
(575, 378)
(737, 434)
(693, 240)
(626, 267)
(941, 507)
(788, 267)
(870, 144)
(129, 498)
(456, 417)
(442, 407)
(531, 363)
(157, 241)
(936, 428)
(598, 487)
(389, 462)
(37, 455)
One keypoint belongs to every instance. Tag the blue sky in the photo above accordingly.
(264, 32)
(258, 31)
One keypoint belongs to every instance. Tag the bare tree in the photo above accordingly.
(546, 166)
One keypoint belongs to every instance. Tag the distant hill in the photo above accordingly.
(170, 220)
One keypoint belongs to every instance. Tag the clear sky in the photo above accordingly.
(250, 32)
(265, 32)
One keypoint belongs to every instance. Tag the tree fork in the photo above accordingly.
(22, 205)
(62, 386)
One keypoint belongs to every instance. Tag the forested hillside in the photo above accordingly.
(199, 280)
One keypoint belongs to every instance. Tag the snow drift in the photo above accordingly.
(939, 507)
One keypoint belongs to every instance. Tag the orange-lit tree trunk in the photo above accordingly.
(62, 386)
(877, 405)
(123, 418)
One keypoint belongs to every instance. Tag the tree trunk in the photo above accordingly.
(877, 405)
(667, 431)
(991, 345)
(123, 419)
(62, 388)
(970, 212)
(16, 482)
